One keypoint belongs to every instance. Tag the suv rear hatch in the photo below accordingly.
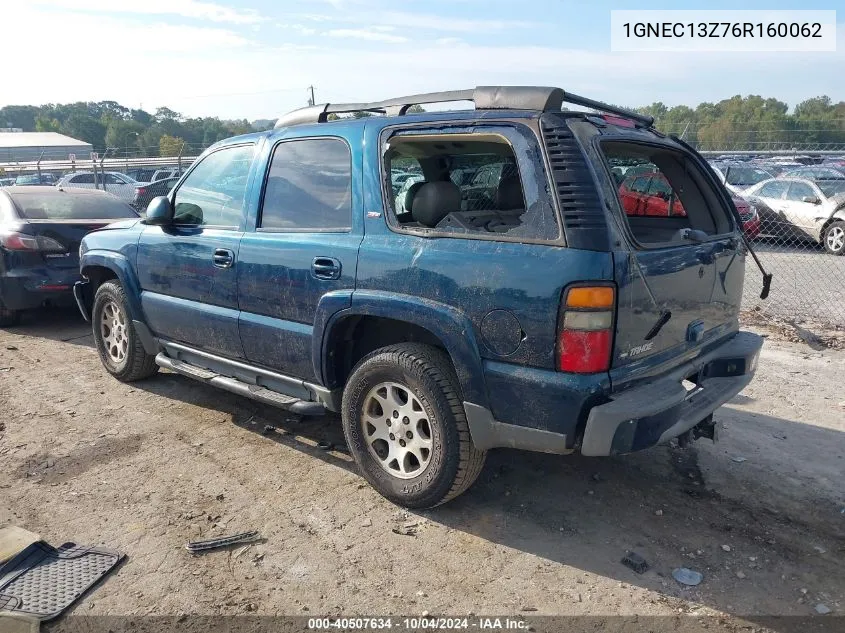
(678, 259)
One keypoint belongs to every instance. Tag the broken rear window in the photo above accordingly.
(469, 183)
(662, 193)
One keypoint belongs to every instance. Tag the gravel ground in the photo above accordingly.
(146, 467)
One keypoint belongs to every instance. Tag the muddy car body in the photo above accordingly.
(541, 318)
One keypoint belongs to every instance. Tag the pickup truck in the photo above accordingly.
(538, 316)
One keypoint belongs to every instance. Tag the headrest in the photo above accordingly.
(408, 202)
(434, 201)
(509, 194)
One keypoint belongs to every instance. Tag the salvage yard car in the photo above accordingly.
(543, 318)
(803, 209)
(40, 231)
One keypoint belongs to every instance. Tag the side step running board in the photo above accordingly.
(254, 392)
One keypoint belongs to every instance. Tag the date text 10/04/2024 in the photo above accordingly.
(419, 623)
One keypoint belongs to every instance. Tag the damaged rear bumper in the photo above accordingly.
(653, 413)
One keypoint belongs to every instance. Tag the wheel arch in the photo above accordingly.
(377, 319)
(101, 266)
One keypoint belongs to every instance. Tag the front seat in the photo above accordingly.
(434, 201)
(509, 194)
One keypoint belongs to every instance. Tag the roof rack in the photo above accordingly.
(540, 98)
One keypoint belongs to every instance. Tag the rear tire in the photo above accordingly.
(405, 425)
(834, 238)
(9, 318)
(118, 344)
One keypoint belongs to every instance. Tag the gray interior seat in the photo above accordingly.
(434, 201)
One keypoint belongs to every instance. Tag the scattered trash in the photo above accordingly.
(367, 522)
(223, 541)
(409, 529)
(634, 561)
(779, 436)
(822, 609)
(528, 609)
(820, 549)
(11, 348)
(325, 445)
(738, 460)
(422, 594)
(726, 548)
(740, 575)
(596, 477)
(687, 576)
(73, 570)
(268, 428)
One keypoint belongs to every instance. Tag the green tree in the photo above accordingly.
(46, 124)
(85, 128)
(170, 145)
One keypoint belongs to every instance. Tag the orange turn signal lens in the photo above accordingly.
(590, 297)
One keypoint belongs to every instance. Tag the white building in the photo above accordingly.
(29, 146)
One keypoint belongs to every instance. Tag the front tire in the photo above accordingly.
(405, 425)
(834, 238)
(118, 344)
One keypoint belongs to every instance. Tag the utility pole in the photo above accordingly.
(311, 100)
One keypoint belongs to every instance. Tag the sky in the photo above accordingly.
(256, 58)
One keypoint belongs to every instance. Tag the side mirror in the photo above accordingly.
(159, 212)
(810, 200)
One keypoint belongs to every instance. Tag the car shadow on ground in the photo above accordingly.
(64, 324)
(587, 513)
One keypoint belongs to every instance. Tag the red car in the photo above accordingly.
(651, 194)
(750, 218)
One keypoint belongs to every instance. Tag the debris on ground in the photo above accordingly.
(658, 513)
(223, 541)
(740, 574)
(42, 581)
(635, 562)
(268, 428)
(409, 529)
(820, 549)
(822, 609)
(687, 576)
(325, 445)
(11, 348)
(738, 460)
(726, 548)
(367, 522)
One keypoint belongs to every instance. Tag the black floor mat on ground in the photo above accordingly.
(42, 581)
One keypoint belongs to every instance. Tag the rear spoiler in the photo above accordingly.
(767, 277)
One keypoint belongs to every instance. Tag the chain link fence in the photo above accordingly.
(798, 233)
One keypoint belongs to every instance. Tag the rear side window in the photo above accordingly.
(309, 187)
(82, 179)
(677, 196)
(468, 183)
(60, 205)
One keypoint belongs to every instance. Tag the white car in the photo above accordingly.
(115, 183)
(803, 208)
(738, 178)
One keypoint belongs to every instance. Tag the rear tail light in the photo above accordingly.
(585, 336)
(140, 191)
(13, 241)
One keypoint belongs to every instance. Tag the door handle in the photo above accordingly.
(326, 268)
(223, 258)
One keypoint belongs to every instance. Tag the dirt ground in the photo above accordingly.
(145, 468)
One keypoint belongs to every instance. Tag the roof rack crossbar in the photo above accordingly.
(606, 107)
(540, 98)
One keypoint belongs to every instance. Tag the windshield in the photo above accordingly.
(831, 188)
(60, 205)
(745, 176)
